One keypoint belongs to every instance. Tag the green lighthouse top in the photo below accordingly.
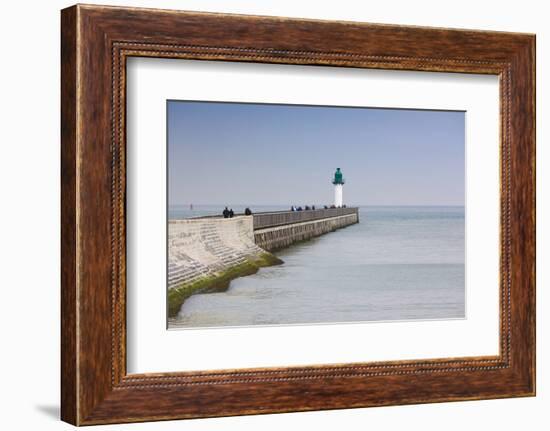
(338, 177)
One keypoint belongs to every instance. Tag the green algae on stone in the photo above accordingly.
(217, 282)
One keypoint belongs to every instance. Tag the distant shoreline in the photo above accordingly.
(349, 205)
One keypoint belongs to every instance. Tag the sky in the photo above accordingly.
(266, 154)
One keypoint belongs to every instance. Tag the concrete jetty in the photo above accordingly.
(206, 253)
(276, 230)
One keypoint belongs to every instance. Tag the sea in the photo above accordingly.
(398, 263)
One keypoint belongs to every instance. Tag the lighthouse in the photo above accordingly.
(338, 182)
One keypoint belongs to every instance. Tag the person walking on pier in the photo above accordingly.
(231, 213)
(225, 213)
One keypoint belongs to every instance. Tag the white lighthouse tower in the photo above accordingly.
(338, 182)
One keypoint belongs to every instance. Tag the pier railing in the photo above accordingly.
(279, 218)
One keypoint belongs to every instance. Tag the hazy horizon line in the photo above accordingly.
(349, 205)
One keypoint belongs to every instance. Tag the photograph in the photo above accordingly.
(284, 214)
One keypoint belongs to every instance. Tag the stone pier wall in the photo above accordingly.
(205, 254)
(205, 246)
(277, 237)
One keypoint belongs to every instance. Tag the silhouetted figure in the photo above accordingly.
(326, 207)
(292, 208)
(299, 209)
(247, 211)
(231, 213)
(333, 206)
(313, 207)
(225, 213)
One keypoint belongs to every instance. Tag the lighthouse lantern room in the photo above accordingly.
(338, 182)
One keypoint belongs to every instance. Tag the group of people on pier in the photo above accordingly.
(312, 207)
(305, 208)
(229, 213)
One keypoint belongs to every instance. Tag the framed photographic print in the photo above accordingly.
(265, 215)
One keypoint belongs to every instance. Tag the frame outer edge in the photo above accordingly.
(533, 54)
(531, 83)
(523, 177)
(532, 99)
(69, 201)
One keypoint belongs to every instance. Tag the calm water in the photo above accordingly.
(397, 263)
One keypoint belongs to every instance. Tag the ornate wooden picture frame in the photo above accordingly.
(96, 41)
